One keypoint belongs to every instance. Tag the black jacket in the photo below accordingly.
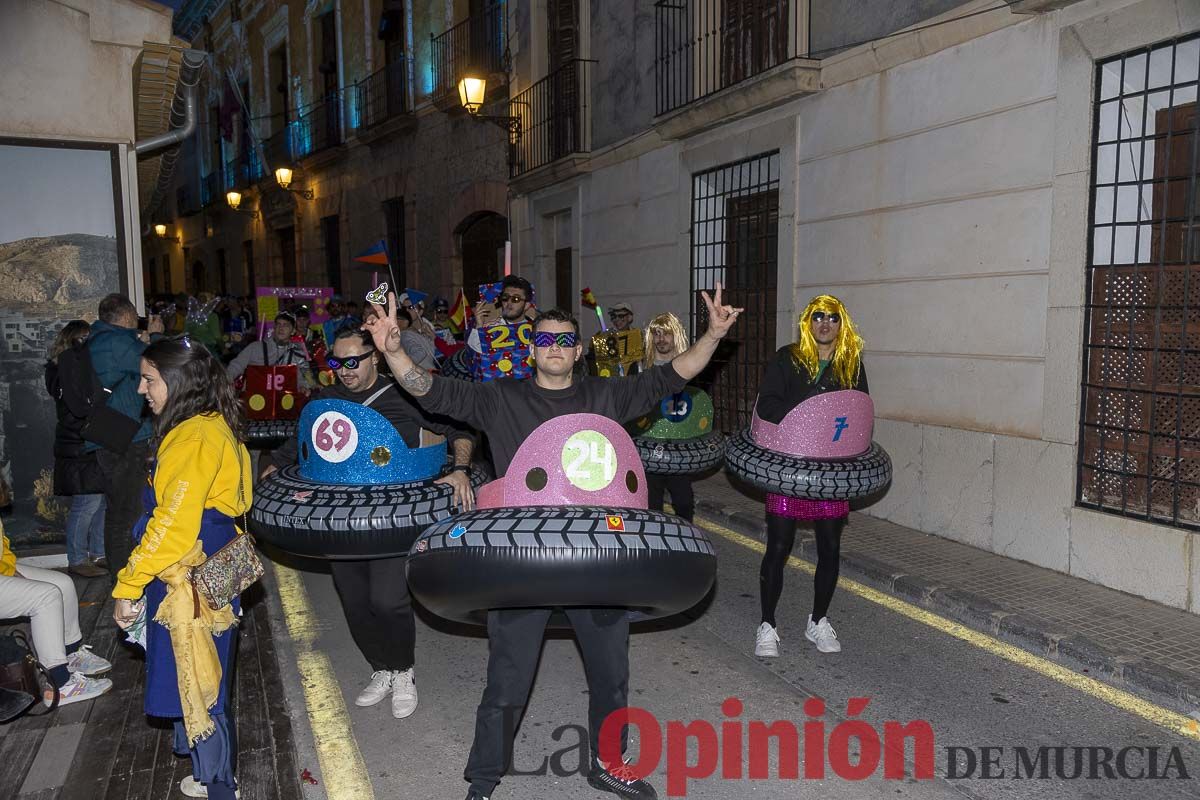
(509, 410)
(784, 386)
(75, 471)
(68, 442)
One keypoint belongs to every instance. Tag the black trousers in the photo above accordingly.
(683, 499)
(514, 646)
(125, 477)
(378, 609)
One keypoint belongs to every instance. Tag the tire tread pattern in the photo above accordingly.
(810, 479)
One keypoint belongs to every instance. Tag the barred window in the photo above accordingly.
(1139, 452)
(735, 241)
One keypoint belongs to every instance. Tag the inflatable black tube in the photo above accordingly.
(681, 456)
(810, 479)
(347, 522)
(547, 556)
(457, 366)
(269, 432)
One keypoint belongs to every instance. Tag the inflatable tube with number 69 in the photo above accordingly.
(358, 492)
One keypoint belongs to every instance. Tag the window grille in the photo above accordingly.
(1139, 450)
(735, 240)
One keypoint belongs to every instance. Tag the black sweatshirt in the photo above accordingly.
(395, 404)
(784, 386)
(510, 410)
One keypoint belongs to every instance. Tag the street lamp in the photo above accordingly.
(283, 176)
(234, 198)
(161, 230)
(471, 93)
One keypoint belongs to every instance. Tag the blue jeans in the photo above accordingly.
(85, 528)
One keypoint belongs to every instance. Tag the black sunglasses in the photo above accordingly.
(820, 316)
(511, 298)
(349, 362)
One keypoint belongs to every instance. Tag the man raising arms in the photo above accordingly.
(510, 411)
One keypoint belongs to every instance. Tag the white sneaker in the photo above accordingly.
(376, 690)
(80, 687)
(85, 661)
(190, 787)
(823, 635)
(766, 641)
(404, 693)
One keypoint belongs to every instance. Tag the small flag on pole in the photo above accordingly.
(375, 254)
(460, 313)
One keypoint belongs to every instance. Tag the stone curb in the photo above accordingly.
(1076, 652)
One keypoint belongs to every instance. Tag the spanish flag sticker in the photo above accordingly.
(616, 523)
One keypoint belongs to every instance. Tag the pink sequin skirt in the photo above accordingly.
(797, 508)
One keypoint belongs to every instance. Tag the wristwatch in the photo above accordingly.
(461, 468)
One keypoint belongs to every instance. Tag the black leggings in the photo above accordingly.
(781, 535)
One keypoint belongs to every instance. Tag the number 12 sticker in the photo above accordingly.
(334, 437)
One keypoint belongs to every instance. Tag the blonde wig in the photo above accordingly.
(847, 350)
(663, 322)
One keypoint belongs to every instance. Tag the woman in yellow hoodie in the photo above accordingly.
(200, 486)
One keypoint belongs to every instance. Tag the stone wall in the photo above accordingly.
(938, 184)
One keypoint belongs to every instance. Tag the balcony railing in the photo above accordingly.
(477, 44)
(384, 95)
(704, 46)
(210, 189)
(555, 117)
(185, 201)
(279, 152)
(243, 170)
(319, 128)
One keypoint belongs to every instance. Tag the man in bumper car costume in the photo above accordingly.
(510, 411)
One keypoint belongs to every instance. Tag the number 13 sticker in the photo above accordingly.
(334, 437)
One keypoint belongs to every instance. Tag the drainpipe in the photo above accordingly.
(189, 75)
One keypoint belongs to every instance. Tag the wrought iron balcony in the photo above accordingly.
(186, 201)
(477, 44)
(704, 46)
(278, 151)
(242, 170)
(555, 117)
(384, 95)
(319, 128)
(210, 189)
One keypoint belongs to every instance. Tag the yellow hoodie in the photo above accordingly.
(8, 561)
(200, 465)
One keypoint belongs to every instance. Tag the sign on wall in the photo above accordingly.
(61, 251)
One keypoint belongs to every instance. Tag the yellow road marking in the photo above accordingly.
(1163, 717)
(342, 765)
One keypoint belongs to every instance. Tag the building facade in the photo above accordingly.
(1004, 196)
(358, 98)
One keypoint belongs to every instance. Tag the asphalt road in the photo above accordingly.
(684, 671)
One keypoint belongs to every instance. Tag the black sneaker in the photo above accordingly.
(620, 780)
(474, 795)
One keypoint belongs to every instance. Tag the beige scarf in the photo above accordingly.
(193, 625)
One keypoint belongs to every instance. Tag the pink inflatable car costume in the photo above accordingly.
(822, 450)
(567, 526)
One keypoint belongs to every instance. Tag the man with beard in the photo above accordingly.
(374, 592)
